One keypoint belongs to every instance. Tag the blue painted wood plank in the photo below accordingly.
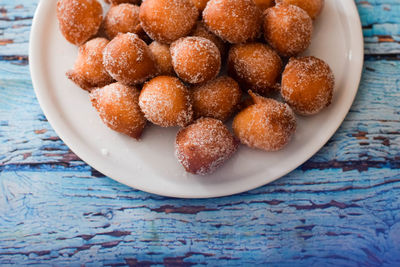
(354, 221)
(15, 21)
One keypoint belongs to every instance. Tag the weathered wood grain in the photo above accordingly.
(341, 208)
(15, 21)
(304, 216)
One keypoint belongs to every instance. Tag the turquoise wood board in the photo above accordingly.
(340, 208)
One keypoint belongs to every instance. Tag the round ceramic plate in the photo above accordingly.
(150, 165)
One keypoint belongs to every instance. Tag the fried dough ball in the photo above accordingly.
(89, 71)
(255, 66)
(307, 85)
(166, 21)
(204, 146)
(117, 2)
(195, 59)
(312, 7)
(267, 125)
(287, 29)
(122, 18)
(235, 21)
(118, 108)
(202, 31)
(165, 101)
(128, 59)
(79, 20)
(162, 57)
(264, 4)
(217, 98)
(200, 4)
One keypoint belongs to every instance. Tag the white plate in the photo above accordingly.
(150, 165)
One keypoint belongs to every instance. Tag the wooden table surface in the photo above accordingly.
(340, 208)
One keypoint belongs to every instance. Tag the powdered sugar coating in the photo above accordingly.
(204, 146)
(235, 21)
(267, 125)
(255, 66)
(165, 21)
(307, 85)
(217, 98)
(89, 71)
(162, 57)
(202, 31)
(312, 7)
(195, 59)
(79, 20)
(118, 108)
(165, 101)
(288, 29)
(122, 18)
(128, 59)
(200, 4)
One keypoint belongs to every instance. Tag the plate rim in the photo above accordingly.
(56, 124)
